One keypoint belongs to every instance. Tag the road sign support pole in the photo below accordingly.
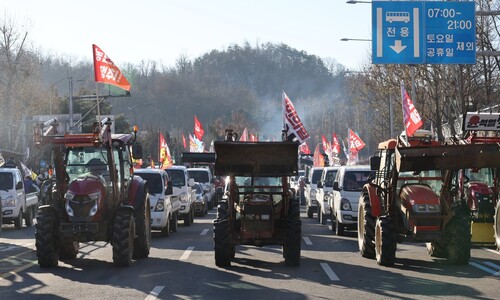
(413, 88)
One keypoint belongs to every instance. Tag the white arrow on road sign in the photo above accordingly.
(398, 46)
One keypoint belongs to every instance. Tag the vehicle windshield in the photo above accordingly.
(6, 181)
(316, 176)
(154, 182)
(259, 184)
(198, 175)
(86, 160)
(431, 178)
(483, 175)
(177, 177)
(355, 180)
(330, 178)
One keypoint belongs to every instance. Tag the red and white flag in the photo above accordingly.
(335, 144)
(326, 143)
(106, 71)
(304, 148)
(355, 142)
(184, 141)
(253, 138)
(295, 130)
(198, 129)
(165, 157)
(318, 159)
(244, 135)
(411, 117)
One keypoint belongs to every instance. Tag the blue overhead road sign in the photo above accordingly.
(423, 32)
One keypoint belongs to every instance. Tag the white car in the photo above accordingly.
(346, 191)
(311, 189)
(182, 190)
(325, 192)
(164, 207)
(204, 177)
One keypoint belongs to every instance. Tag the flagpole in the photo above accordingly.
(98, 108)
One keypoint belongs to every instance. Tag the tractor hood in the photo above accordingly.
(88, 184)
(479, 187)
(415, 194)
(260, 159)
(447, 157)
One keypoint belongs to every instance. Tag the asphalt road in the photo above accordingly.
(182, 266)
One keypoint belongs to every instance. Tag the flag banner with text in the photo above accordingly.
(411, 117)
(198, 129)
(165, 157)
(106, 71)
(295, 130)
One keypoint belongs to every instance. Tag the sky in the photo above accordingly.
(132, 31)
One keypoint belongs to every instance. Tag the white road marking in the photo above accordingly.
(492, 265)
(491, 250)
(15, 271)
(307, 240)
(204, 232)
(186, 253)
(329, 272)
(481, 267)
(155, 292)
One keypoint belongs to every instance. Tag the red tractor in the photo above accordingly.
(415, 194)
(95, 197)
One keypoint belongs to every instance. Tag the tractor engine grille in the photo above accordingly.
(81, 206)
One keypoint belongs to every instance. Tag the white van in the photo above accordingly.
(325, 192)
(182, 190)
(310, 190)
(346, 191)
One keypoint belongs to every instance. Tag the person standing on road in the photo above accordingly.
(30, 186)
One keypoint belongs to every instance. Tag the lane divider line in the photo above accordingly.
(204, 232)
(329, 272)
(186, 253)
(307, 240)
(481, 267)
(17, 270)
(155, 293)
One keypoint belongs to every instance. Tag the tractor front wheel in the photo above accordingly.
(68, 249)
(224, 251)
(142, 243)
(385, 241)
(123, 238)
(458, 240)
(47, 248)
(437, 249)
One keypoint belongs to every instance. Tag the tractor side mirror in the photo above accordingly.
(375, 163)
(136, 151)
(169, 190)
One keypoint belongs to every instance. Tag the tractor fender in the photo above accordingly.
(375, 203)
(136, 192)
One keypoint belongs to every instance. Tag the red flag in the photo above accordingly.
(198, 129)
(355, 143)
(326, 144)
(106, 71)
(244, 135)
(253, 138)
(411, 117)
(304, 148)
(293, 126)
(184, 141)
(165, 158)
(335, 144)
(318, 159)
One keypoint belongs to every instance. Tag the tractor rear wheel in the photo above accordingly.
(458, 240)
(224, 251)
(47, 248)
(142, 218)
(385, 241)
(366, 227)
(123, 238)
(437, 249)
(68, 249)
(496, 225)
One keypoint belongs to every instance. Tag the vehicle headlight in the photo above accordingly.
(433, 208)
(345, 204)
(69, 196)
(160, 205)
(313, 193)
(97, 198)
(10, 201)
(183, 197)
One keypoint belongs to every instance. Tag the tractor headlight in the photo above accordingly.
(10, 201)
(95, 197)
(345, 204)
(160, 205)
(433, 208)
(69, 196)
